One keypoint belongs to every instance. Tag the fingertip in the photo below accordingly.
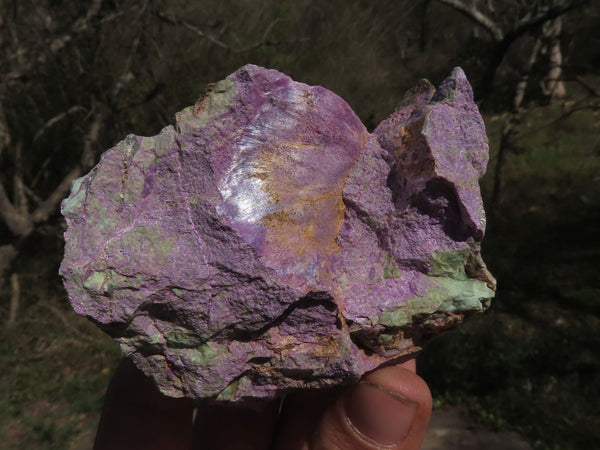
(403, 380)
(378, 415)
(390, 408)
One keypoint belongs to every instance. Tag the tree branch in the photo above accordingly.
(505, 38)
(474, 14)
(28, 62)
(510, 123)
(588, 87)
(214, 40)
(32, 195)
(15, 295)
(17, 224)
(192, 28)
(54, 120)
(20, 199)
(79, 26)
(265, 35)
(529, 23)
(522, 84)
(4, 132)
(7, 255)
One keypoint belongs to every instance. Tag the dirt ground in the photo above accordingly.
(450, 429)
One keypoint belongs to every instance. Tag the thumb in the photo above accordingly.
(389, 408)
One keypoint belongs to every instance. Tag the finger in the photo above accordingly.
(235, 427)
(389, 409)
(396, 413)
(137, 416)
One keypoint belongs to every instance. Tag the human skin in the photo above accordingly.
(389, 408)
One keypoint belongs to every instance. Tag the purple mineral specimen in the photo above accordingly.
(268, 242)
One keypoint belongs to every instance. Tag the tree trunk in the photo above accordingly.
(522, 84)
(511, 121)
(4, 133)
(552, 84)
(487, 81)
(505, 136)
(7, 255)
(15, 296)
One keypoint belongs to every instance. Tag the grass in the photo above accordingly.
(55, 369)
(532, 362)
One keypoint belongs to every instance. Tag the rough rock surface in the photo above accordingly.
(268, 242)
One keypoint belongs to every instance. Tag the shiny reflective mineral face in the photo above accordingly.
(268, 242)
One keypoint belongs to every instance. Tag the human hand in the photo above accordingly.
(388, 409)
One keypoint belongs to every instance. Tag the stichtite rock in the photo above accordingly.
(268, 242)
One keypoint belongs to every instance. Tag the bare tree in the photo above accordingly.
(38, 39)
(552, 84)
(507, 21)
(70, 85)
(33, 44)
(512, 119)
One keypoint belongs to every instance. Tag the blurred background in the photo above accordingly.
(78, 76)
